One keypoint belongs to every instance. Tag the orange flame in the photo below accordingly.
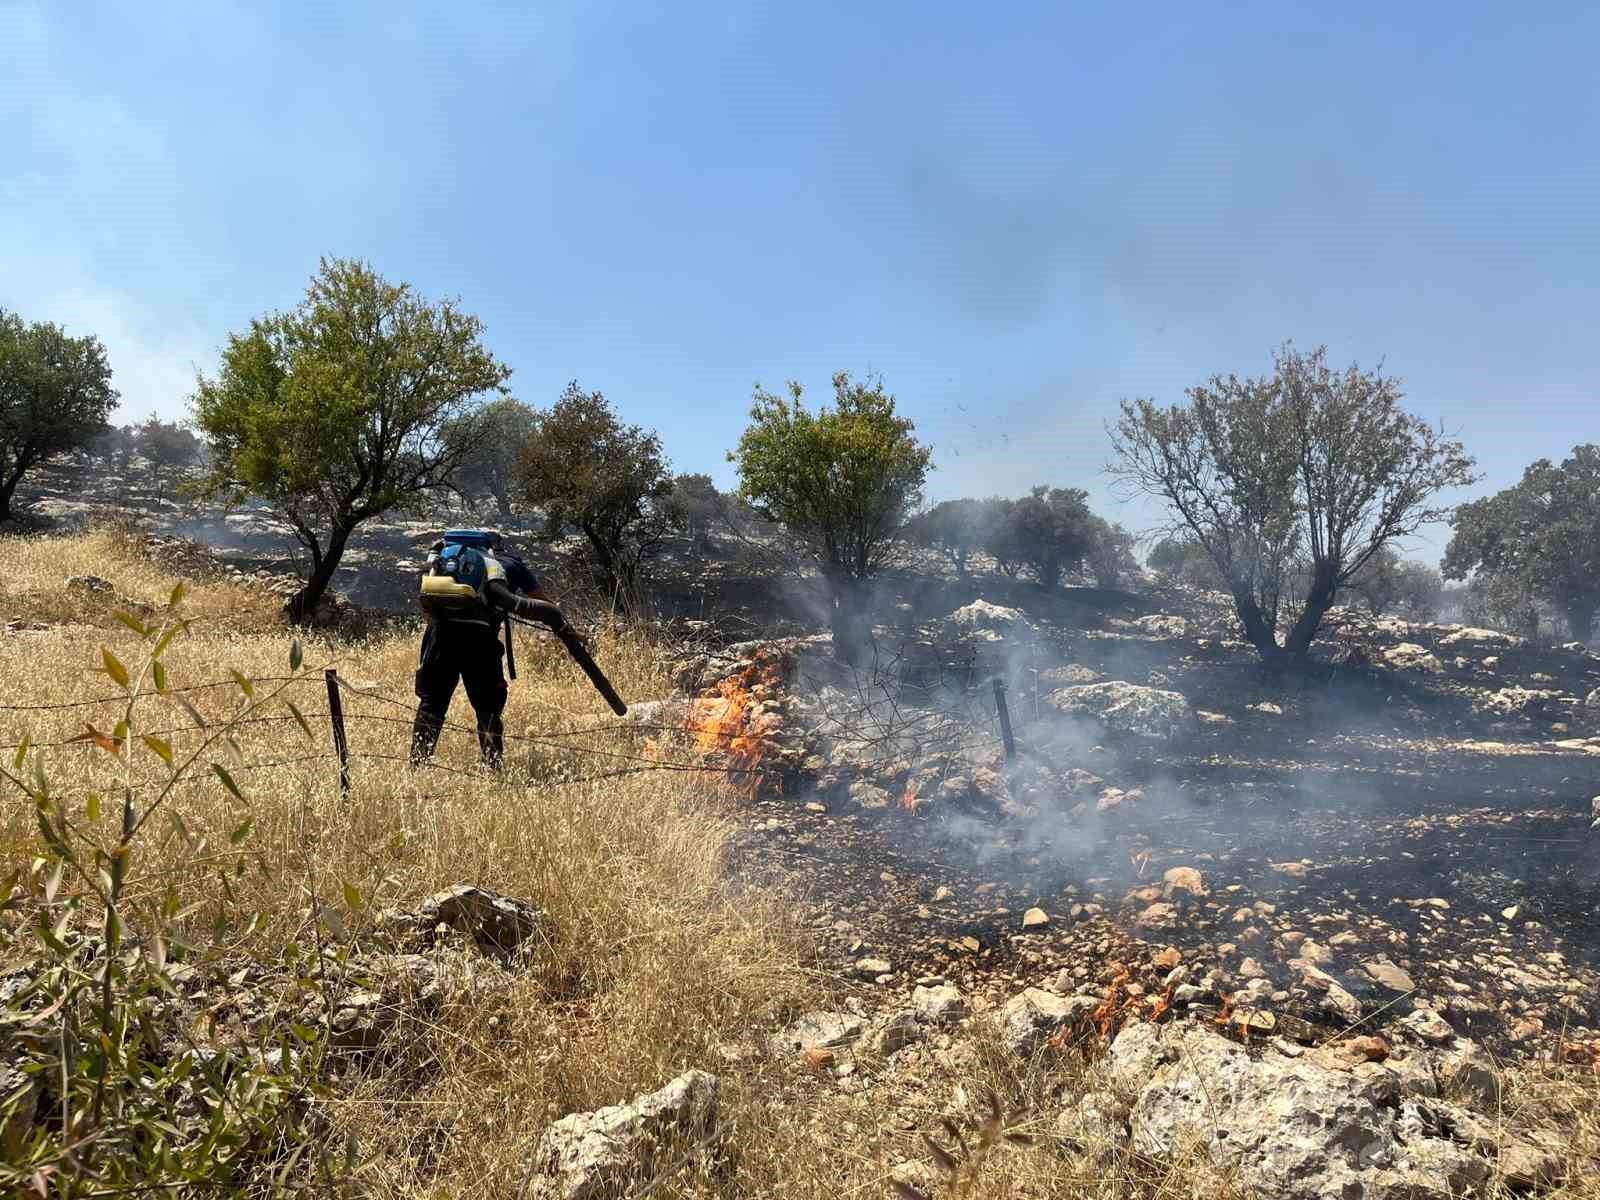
(1111, 1009)
(728, 722)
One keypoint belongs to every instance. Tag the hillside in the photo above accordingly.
(824, 907)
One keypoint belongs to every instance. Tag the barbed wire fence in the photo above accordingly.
(848, 705)
(336, 718)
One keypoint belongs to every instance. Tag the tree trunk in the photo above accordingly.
(1257, 630)
(1319, 599)
(7, 490)
(323, 564)
(849, 620)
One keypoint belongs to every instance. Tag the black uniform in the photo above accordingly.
(467, 649)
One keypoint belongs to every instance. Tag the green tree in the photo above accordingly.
(1502, 602)
(844, 480)
(1420, 591)
(1000, 537)
(1542, 535)
(1051, 530)
(168, 447)
(1386, 582)
(1110, 556)
(490, 442)
(698, 507)
(1305, 464)
(1377, 583)
(335, 412)
(952, 527)
(55, 396)
(611, 482)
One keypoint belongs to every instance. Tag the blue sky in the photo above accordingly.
(1018, 214)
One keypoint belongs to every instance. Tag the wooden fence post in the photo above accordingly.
(336, 717)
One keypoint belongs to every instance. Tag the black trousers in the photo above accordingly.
(452, 652)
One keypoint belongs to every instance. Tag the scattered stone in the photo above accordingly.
(497, 924)
(1408, 656)
(1294, 870)
(1185, 881)
(1527, 1166)
(871, 968)
(1162, 626)
(1126, 708)
(1267, 707)
(1069, 675)
(1158, 914)
(817, 1031)
(869, 795)
(942, 1005)
(980, 614)
(1292, 1128)
(1491, 636)
(1028, 1020)
(1383, 972)
(1429, 1026)
(1035, 918)
(614, 1150)
(898, 1032)
(1367, 1049)
(1255, 1021)
(1465, 1070)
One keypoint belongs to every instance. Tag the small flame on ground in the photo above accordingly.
(730, 721)
(908, 798)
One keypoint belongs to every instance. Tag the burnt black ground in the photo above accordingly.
(1421, 821)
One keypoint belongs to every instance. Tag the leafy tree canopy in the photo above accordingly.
(1051, 530)
(168, 447)
(955, 528)
(590, 472)
(334, 412)
(1542, 536)
(698, 506)
(490, 441)
(843, 479)
(55, 396)
(1388, 583)
(1110, 556)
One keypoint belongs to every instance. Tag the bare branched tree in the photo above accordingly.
(1306, 463)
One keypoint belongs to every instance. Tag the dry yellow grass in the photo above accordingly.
(661, 962)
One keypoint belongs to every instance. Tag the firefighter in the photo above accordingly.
(470, 589)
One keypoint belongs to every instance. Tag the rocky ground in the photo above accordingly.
(1348, 848)
(1303, 920)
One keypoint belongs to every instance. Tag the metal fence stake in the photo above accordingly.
(1005, 718)
(336, 718)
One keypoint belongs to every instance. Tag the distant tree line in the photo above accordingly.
(1289, 491)
(1049, 533)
